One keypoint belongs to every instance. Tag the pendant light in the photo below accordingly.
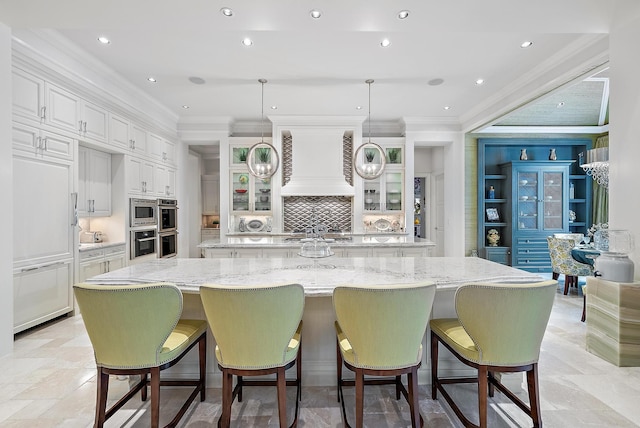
(369, 159)
(262, 159)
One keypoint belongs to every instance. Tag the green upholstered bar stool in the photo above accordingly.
(258, 332)
(379, 334)
(137, 330)
(499, 328)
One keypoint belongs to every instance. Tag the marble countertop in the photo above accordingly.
(318, 276)
(286, 241)
(98, 245)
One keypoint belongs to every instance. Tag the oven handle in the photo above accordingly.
(146, 239)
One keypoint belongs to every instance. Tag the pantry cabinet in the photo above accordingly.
(210, 194)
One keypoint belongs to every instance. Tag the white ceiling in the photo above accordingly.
(319, 67)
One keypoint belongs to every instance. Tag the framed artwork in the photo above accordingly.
(492, 214)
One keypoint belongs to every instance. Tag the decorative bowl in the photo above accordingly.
(394, 201)
(265, 190)
(241, 190)
(264, 199)
(523, 182)
(368, 201)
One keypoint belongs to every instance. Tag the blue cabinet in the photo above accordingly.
(539, 207)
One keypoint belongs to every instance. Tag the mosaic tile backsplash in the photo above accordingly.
(333, 211)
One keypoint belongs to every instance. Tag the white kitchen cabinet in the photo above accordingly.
(250, 195)
(62, 109)
(28, 95)
(236, 253)
(165, 179)
(161, 150)
(101, 260)
(210, 194)
(140, 176)
(206, 234)
(67, 111)
(119, 132)
(385, 194)
(42, 143)
(138, 141)
(94, 183)
(41, 293)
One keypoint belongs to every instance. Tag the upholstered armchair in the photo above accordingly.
(499, 328)
(563, 264)
(257, 332)
(136, 330)
(379, 332)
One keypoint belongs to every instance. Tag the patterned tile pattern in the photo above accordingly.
(334, 211)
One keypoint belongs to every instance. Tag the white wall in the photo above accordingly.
(6, 178)
(624, 131)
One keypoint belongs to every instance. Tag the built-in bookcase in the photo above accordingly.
(500, 167)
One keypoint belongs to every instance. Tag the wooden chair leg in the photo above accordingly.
(101, 397)
(567, 281)
(338, 369)
(414, 402)
(299, 372)
(239, 389)
(282, 397)
(555, 275)
(227, 397)
(398, 386)
(434, 367)
(155, 397)
(359, 398)
(491, 387)
(143, 391)
(534, 399)
(202, 359)
(482, 396)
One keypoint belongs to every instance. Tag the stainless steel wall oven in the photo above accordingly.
(143, 242)
(167, 215)
(168, 244)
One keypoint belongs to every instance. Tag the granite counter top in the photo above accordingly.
(318, 276)
(261, 241)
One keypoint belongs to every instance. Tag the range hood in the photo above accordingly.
(317, 163)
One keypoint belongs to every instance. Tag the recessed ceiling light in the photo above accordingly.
(197, 80)
(560, 104)
(315, 14)
(104, 40)
(479, 81)
(403, 14)
(247, 41)
(226, 11)
(185, 106)
(435, 82)
(358, 107)
(447, 107)
(152, 79)
(274, 107)
(526, 44)
(385, 43)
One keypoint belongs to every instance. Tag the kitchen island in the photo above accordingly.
(347, 245)
(319, 277)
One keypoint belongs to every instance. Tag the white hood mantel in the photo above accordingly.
(317, 160)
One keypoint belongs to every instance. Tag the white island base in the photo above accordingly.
(319, 277)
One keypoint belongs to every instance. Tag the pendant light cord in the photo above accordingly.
(369, 82)
(262, 81)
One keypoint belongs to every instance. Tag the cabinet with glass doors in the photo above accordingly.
(386, 193)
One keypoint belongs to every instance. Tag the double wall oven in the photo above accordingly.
(167, 228)
(154, 227)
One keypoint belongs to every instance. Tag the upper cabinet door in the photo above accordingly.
(94, 122)
(62, 109)
(28, 95)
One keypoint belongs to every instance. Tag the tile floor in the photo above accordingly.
(49, 381)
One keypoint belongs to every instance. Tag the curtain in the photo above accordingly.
(600, 200)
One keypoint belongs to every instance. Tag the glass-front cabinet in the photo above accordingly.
(250, 194)
(541, 200)
(386, 193)
(539, 207)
